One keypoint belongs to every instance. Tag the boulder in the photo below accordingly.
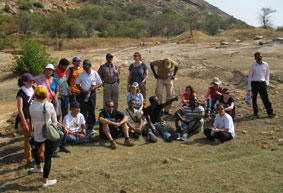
(9, 9)
(280, 40)
(258, 38)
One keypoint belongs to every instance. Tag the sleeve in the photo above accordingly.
(144, 66)
(53, 113)
(128, 98)
(231, 100)
(125, 112)
(194, 94)
(20, 93)
(119, 115)
(78, 81)
(250, 78)
(102, 114)
(267, 75)
(82, 119)
(100, 72)
(228, 123)
(130, 67)
(66, 122)
(141, 96)
(97, 79)
(146, 112)
(56, 80)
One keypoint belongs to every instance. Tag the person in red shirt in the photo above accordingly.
(213, 93)
(189, 92)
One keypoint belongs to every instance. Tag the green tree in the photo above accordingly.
(57, 25)
(212, 24)
(193, 19)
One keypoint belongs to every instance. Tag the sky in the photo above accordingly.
(248, 10)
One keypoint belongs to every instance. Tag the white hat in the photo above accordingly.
(50, 66)
(135, 85)
(216, 81)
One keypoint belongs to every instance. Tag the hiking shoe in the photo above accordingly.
(151, 138)
(31, 163)
(113, 144)
(129, 142)
(49, 183)
(55, 154)
(272, 115)
(217, 141)
(36, 170)
(172, 137)
(64, 149)
(184, 137)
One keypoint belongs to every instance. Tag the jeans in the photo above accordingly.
(75, 139)
(163, 132)
(60, 142)
(62, 107)
(210, 104)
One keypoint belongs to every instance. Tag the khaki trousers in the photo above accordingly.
(111, 92)
(27, 147)
(168, 84)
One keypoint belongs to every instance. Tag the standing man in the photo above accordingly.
(258, 81)
(110, 76)
(60, 74)
(165, 75)
(73, 73)
(87, 82)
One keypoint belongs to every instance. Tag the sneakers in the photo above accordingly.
(172, 137)
(55, 154)
(49, 183)
(31, 163)
(151, 137)
(36, 170)
(113, 144)
(184, 137)
(64, 149)
(129, 142)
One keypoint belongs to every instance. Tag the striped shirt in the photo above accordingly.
(190, 114)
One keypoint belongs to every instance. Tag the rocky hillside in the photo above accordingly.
(180, 6)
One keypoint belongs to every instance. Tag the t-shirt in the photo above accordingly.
(213, 94)
(74, 124)
(26, 103)
(139, 99)
(155, 114)
(87, 80)
(162, 71)
(133, 117)
(190, 113)
(228, 103)
(225, 122)
(73, 80)
(63, 85)
(137, 73)
(54, 84)
(187, 97)
(116, 116)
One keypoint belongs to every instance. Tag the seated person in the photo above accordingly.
(228, 101)
(189, 92)
(153, 116)
(135, 94)
(190, 118)
(76, 126)
(213, 93)
(112, 123)
(223, 126)
(135, 121)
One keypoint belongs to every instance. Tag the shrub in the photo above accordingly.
(25, 5)
(32, 58)
(38, 5)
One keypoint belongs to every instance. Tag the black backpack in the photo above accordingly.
(70, 76)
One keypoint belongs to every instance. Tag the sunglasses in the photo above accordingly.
(136, 55)
(111, 107)
(220, 108)
(132, 103)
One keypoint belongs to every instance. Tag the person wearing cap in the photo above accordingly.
(60, 74)
(189, 119)
(110, 76)
(37, 117)
(87, 82)
(24, 100)
(165, 75)
(259, 77)
(137, 96)
(213, 93)
(138, 72)
(76, 126)
(228, 101)
(51, 83)
(73, 73)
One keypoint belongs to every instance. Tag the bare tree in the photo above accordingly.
(194, 17)
(265, 17)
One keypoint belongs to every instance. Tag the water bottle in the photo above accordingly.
(87, 96)
(248, 98)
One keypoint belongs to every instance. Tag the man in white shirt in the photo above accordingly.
(258, 81)
(135, 121)
(223, 126)
(75, 124)
(87, 82)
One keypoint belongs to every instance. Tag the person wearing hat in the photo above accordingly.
(259, 76)
(165, 75)
(189, 119)
(137, 96)
(72, 74)
(24, 99)
(110, 76)
(228, 101)
(213, 93)
(87, 82)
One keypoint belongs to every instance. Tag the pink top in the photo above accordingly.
(212, 92)
(187, 97)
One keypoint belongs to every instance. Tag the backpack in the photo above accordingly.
(70, 76)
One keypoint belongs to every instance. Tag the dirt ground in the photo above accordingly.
(252, 162)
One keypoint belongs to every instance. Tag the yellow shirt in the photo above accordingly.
(73, 80)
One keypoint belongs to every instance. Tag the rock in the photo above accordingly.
(277, 129)
(223, 43)
(158, 43)
(280, 40)
(260, 43)
(9, 9)
(190, 166)
(239, 105)
(166, 161)
(265, 147)
(258, 38)
(180, 159)
(237, 40)
(277, 92)
(30, 10)
(244, 131)
(15, 134)
(280, 141)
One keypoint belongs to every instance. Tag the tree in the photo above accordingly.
(57, 25)
(194, 17)
(265, 17)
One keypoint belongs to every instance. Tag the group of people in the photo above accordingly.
(48, 100)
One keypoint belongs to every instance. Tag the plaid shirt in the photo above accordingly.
(109, 74)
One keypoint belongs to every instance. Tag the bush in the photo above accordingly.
(38, 5)
(32, 58)
(25, 5)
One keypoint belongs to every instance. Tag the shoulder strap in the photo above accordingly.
(70, 76)
(108, 114)
(44, 113)
(130, 115)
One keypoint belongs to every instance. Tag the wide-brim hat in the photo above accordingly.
(167, 63)
(50, 66)
(216, 81)
(135, 85)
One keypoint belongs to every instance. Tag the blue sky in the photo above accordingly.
(247, 10)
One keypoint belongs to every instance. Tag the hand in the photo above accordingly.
(69, 93)
(81, 136)
(25, 127)
(142, 83)
(56, 100)
(66, 131)
(156, 76)
(218, 93)
(173, 77)
(155, 132)
(138, 130)
(117, 124)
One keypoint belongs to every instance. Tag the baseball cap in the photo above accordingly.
(27, 77)
(76, 58)
(40, 89)
(109, 55)
(135, 84)
(51, 66)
